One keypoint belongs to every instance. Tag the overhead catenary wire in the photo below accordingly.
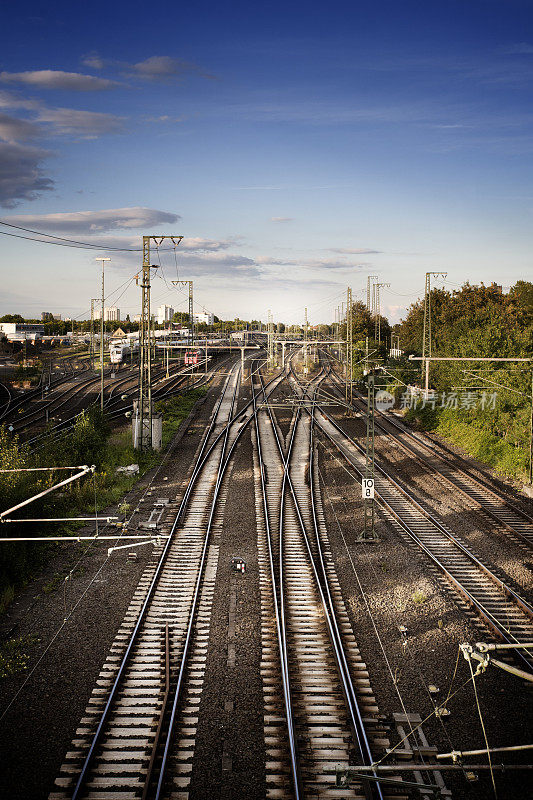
(66, 242)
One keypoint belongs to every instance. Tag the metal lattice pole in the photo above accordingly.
(270, 339)
(369, 280)
(377, 287)
(368, 503)
(426, 334)
(349, 349)
(306, 333)
(103, 260)
(91, 340)
(145, 364)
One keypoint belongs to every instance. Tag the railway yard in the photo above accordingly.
(259, 645)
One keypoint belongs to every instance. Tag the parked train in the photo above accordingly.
(120, 348)
(191, 357)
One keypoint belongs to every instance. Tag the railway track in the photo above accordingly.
(138, 735)
(320, 712)
(502, 611)
(479, 492)
(17, 401)
(120, 398)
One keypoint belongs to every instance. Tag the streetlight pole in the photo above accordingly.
(103, 260)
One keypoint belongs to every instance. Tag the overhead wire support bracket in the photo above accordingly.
(84, 471)
(145, 370)
(480, 652)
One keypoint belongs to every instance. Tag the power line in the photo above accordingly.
(65, 242)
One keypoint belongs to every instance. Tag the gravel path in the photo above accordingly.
(229, 758)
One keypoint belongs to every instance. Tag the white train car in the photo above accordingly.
(120, 348)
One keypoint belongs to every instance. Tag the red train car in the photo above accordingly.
(191, 357)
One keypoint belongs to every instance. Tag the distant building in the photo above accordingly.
(21, 331)
(111, 314)
(46, 316)
(208, 319)
(164, 314)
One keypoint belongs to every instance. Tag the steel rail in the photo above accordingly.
(16, 402)
(222, 464)
(148, 598)
(356, 721)
(278, 612)
(64, 426)
(527, 538)
(224, 460)
(488, 617)
(356, 714)
(203, 456)
(477, 481)
(357, 725)
(73, 391)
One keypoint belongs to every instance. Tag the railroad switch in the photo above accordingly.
(238, 565)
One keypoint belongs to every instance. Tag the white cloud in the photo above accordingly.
(21, 176)
(87, 222)
(281, 219)
(13, 129)
(57, 79)
(10, 100)
(65, 121)
(357, 251)
(88, 124)
(219, 264)
(93, 60)
(319, 263)
(163, 68)
(205, 245)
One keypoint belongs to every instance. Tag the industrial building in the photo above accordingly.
(21, 331)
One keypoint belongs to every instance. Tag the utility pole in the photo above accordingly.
(377, 325)
(270, 339)
(369, 279)
(349, 350)
(103, 260)
(368, 532)
(426, 335)
(145, 367)
(91, 340)
(306, 363)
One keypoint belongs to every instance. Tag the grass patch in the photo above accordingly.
(176, 409)
(14, 656)
(502, 455)
(418, 597)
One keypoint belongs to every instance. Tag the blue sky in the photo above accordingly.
(296, 147)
